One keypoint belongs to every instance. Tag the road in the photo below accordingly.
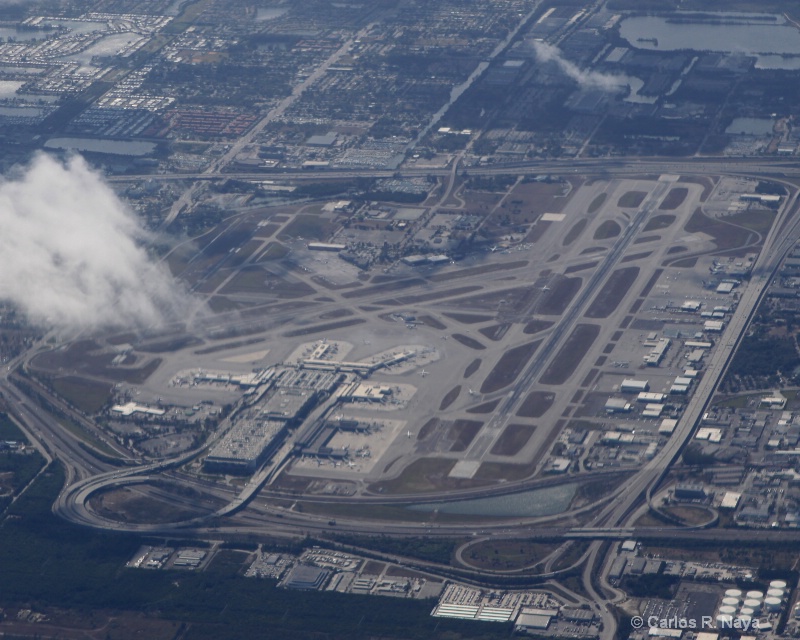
(87, 473)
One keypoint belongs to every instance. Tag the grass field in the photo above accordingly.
(608, 229)
(612, 293)
(510, 365)
(513, 438)
(570, 355)
(536, 404)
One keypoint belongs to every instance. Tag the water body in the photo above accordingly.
(79, 26)
(8, 88)
(10, 33)
(271, 13)
(538, 502)
(114, 147)
(751, 126)
(741, 33)
(778, 62)
(21, 112)
(107, 46)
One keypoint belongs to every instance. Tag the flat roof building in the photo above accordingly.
(634, 386)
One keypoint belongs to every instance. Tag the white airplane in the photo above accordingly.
(472, 392)
(351, 464)
(494, 248)
(545, 288)
(408, 434)
(424, 373)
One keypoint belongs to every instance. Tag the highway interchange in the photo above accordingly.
(88, 472)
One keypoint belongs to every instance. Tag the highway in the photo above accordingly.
(87, 473)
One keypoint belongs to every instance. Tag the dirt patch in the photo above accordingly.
(555, 301)
(472, 343)
(496, 331)
(676, 249)
(324, 327)
(591, 250)
(674, 199)
(535, 326)
(468, 318)
(631, 199)
(428, 428)
(450, 398)
(509, 367)
(598, 202)
(462, 433)
(536, 404)
(472, 367)
(581, 267)
(646, 239)
(430, 321)
(609, 229)
(575, 231)
(661, 221)
(570, 355)
(513, 438)
(613, 292)
(486, 407)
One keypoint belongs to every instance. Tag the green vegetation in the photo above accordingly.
(765, 356)
(507, 554)
(651, 586)
(48, 563)
(598, 202)
(84, 394)
(10, 431)
(431, 549)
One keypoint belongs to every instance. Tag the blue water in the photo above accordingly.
(537, 502)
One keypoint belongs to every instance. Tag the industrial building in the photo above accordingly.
(245, 446)
(306, 578)
(617, 405)
(634, 386)
(658, 351)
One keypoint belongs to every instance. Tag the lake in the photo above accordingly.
(115, 147)
(537, 502)
(757, 35)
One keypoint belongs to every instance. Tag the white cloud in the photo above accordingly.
(71, 254)
(586, 79)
